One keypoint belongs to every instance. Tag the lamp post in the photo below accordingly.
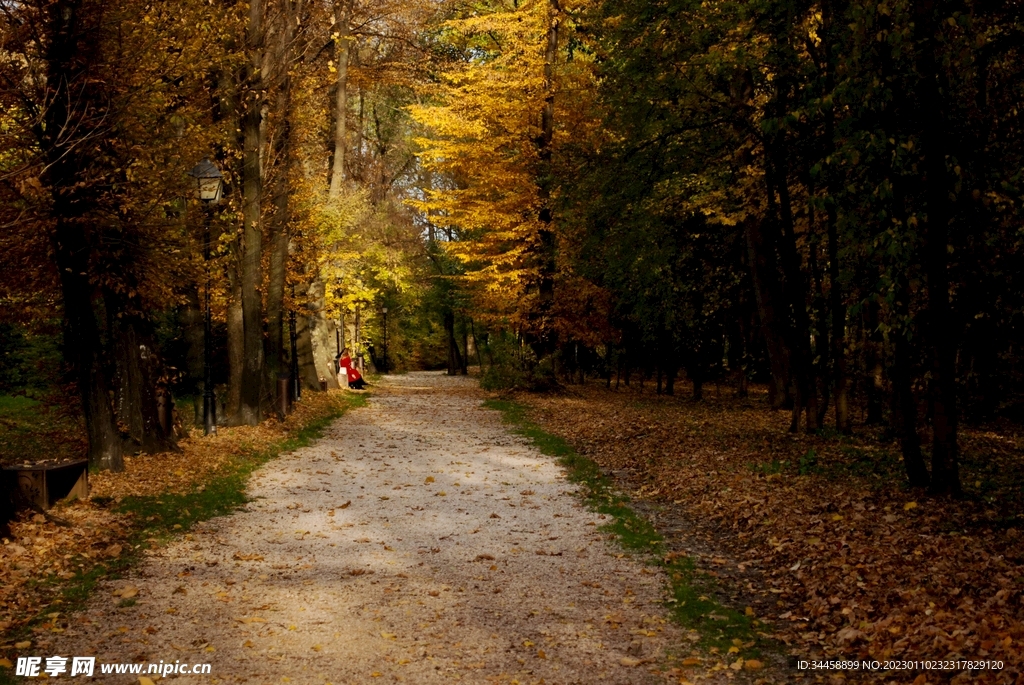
(209, 186)
(385, 359)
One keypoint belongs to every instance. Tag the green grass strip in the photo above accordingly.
(691, 602)
(159, 518)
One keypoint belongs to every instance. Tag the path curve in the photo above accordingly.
(417, 542)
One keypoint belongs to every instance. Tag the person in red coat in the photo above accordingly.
(352, 375)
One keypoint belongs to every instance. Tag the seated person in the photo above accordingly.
(352, 376)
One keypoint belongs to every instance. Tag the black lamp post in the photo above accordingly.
(385, 359)
(209, 186)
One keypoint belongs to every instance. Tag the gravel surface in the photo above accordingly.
(418, 541)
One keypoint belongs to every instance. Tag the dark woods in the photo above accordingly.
(822, 196)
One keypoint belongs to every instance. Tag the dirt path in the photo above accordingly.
(417, 542)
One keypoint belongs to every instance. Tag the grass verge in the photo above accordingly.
(158, 518)
(691, 602)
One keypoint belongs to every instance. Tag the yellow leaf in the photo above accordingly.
(734, 650)
(737, 665)
(909, 505)
(387, 636)
(238, 556)
(23, 645)
(345, 505)
(210, 648)
(129, 592)
(6, 663)
(317, 648)
(143, 680)
(752, 664)
(691, 661)
(375, 674)
(541, 654)
(629, 661)
(248, 643)
(429, 479)
(750, 611)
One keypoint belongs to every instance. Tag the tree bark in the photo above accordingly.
(873, 363)
(454, 356)
(278, 226)
(137, 379)
(321, 335)
(764, 273)
(190, 319)
(945, 476)
(342, 23)
(904, 413)
(830, 11)
(67, 109)
(543, 341)
(250, 260)
(236, 342)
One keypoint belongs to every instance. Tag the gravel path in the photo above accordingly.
(417, 542)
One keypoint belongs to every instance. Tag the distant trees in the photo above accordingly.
(104, 108)
(817, 185)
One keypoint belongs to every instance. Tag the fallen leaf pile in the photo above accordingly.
(849, 562)
(201, 457)
(42, 555)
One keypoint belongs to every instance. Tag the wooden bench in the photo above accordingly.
(48, 482)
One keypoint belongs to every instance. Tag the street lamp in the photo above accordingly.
(385, 360)
(209, 186)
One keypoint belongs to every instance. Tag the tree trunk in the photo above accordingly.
(795, 292)
(190, 319)
(873, 363)
(82, 345)
(236, 343)
(543, 341)
(278, 228)
(137, 378)
(342, 21)
(764, 273)
(455, 361)
(321, 335)
(250, 261)
(464, 365)
(941, 329)
(304, 344)
(904, 413)
(830, 10)
(59, 139)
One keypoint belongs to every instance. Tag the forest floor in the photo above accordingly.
(816, 537)
(418, 541)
